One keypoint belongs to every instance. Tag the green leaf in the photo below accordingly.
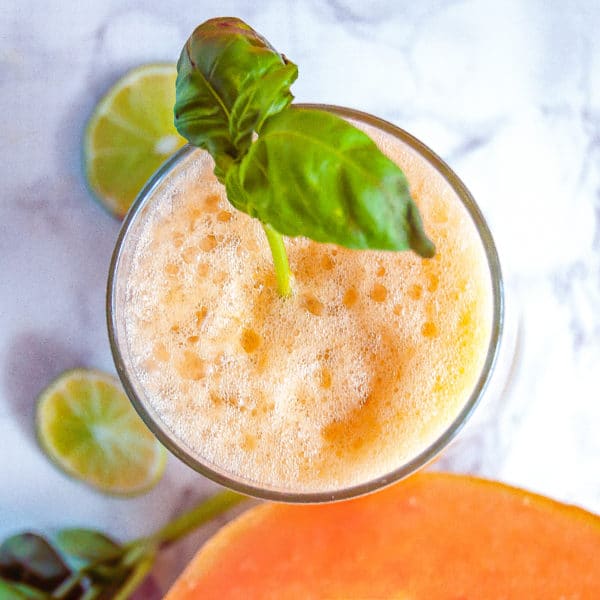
(229, 80)
(19, 591)
(87, 544)
(313, 174)
(259, 101)
(29, 558)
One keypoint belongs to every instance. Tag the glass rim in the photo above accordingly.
(427, 454)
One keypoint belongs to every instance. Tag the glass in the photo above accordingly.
(116, 297)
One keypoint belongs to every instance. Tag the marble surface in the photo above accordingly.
(508, 93)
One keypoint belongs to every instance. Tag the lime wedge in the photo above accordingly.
(130, 134)
(87, 426)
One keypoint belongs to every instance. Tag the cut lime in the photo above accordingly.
(87, 426)
(130, 135)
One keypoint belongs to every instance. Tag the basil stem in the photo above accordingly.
(62, 591)
(280, 260)
(136, 577)
(92, 592)
(199, 515)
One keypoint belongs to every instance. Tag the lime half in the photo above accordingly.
(130, 135)
(87, 426)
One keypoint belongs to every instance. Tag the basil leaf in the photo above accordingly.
(311, 173)
(258, 102)
(29, 558)
(19, 591)
(87, 544)
(229, 80)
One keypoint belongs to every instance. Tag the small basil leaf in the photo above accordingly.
(225, 62)
(259, 101)
(19, 591)
(87, 544)
(313, 174)
(29, 558)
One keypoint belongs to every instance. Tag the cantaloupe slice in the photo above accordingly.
(433, 536)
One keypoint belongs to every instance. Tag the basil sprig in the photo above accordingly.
(301, 172)
(85, 564)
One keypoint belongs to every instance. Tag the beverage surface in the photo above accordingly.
(362, 368)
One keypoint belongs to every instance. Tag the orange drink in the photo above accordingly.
(357, 379)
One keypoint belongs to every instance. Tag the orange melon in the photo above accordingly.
(432, 536)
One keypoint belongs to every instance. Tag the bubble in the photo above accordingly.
(312, 304)
(250, 340)
(191, 366)
(249, 442)
(327, 262)
(325, 378)
(200, 315)
(160, 352)
(433, 282)
(211, 203)
(429, 329)
(415, 291)
(171, 269)
(194, 213)
(208, 243)
(178, 239)
(350, 297)
(378, 293)
(188, 255)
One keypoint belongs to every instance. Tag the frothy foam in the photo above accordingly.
(367, 363)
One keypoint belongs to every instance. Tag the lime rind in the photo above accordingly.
(87, 427)
(129, 135)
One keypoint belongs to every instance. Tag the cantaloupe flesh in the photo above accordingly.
(432, 536)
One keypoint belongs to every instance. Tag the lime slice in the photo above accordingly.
(130, 135)
(87, 426)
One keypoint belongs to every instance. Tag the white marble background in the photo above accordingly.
(507, 92)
